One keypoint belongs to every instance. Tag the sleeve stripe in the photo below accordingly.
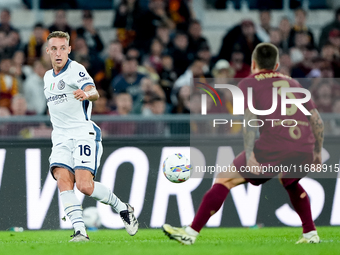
(87, 84)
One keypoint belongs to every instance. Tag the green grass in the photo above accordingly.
(152, 241)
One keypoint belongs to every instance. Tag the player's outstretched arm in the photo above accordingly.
(89, 93)
(249, 134)
(318, 129)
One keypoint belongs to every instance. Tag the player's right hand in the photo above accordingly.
(254, 166)
(80, 95)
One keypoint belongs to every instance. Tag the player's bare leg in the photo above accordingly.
(98, 191)
(65, 179)
(300, 201)
(211, 203)
(72, 207)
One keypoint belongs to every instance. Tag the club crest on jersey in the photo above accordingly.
(81, 74)
(61, 85)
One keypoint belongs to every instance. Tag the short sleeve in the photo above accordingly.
(81, 77)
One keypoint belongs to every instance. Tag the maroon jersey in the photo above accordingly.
(274, 136)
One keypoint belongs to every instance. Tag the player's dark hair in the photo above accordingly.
(266, 56)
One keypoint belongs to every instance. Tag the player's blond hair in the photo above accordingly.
(59, 34)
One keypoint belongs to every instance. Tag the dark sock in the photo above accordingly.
(300, 201)
(211, 203)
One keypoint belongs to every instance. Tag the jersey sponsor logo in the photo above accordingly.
(61, 85)
(83, 79)
(84, 162)
(81, 74)
(57, 99)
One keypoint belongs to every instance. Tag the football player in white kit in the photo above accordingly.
(77, 147)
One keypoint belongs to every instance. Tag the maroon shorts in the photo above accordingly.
(288, 166)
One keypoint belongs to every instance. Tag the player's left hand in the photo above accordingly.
(80, 95)
(254, 166)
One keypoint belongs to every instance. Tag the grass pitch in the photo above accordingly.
(153, 241)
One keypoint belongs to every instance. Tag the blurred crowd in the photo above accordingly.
(157, 52)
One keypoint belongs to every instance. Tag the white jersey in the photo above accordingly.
(70, 117)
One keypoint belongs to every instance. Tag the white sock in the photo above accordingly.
(310, 234)
(73, 210)
(104, 195)
(191, 231)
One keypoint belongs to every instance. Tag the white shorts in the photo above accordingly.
(75, 154)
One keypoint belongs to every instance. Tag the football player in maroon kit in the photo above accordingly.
(277, 145)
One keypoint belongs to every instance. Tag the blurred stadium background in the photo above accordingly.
(143, 55)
